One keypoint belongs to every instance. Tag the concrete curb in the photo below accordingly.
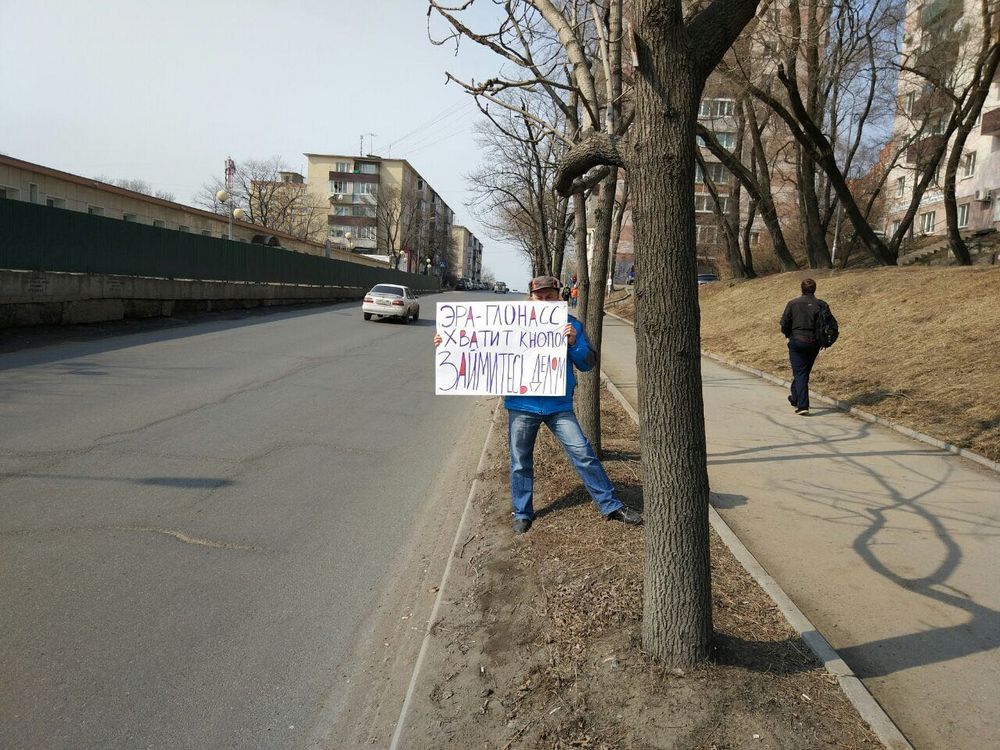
(848, 409)
(864, 703)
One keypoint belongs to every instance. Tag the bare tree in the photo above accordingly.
(570, 52)
(671, 57)
(137, 186)
(267, 194)
(397, 222)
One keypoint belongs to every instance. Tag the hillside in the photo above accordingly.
(918, 345)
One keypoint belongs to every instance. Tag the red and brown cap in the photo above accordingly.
(543, 282)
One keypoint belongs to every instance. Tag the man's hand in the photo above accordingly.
(570, 332)
(437, 339)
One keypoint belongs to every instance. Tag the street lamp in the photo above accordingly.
(427, 270)
(223, 196)
(348, 236)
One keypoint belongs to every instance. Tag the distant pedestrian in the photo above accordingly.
(800, 323)
(526, 415)
(631, 275)
(574, 294)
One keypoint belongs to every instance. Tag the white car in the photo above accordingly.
(391, 301)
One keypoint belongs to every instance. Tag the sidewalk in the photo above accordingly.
(890, 546)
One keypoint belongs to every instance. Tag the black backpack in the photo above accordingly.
(826, 327)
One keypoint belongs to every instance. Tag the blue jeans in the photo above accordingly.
(523, 430)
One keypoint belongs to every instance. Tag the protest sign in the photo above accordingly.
(501, 348)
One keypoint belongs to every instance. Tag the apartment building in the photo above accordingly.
(468, 254)
(942, 36)
(383, 207)
(22, 180)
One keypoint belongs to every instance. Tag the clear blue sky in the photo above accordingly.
(164, 90)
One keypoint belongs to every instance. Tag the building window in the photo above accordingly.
(706, 234)
(364, 233)
(716, 171)
(963, 216)
(895, 227)
(129, 217)
(909, 101)
(703, 203)
(900, 186)
(754, 238)
(363, 211)
(95, 210)
(968, 164)
(343, 166)
(55, 202)
(368, 168)
(206, 232)
(159, 223)
(927, 222)
(420, 184)
(183, 228)
(9, 192)
(340, 187)
(365, 188)
(340, 211)
(32, 193)
(996, 208)
(339, 230)
(717, 108)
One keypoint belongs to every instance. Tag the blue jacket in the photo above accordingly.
(582, 357)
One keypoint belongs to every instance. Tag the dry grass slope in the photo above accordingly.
(918, 345)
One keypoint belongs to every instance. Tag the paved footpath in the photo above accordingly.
(890, 546)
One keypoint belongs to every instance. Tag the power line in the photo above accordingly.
(434, 119)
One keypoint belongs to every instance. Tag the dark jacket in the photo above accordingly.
(582, 357)
(799, 319)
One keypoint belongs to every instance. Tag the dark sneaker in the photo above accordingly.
(792, 401)
(802, 412)
(521, 525)
(626, 515)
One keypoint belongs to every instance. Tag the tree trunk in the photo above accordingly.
(677, 612)
(590, 382)
(580, 247)
(816, 248)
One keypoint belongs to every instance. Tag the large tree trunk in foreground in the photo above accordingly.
(677, 611)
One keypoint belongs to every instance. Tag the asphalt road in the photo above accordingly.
(199, 524)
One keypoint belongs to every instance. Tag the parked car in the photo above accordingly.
(500, 288)
(463, 284)
(707, 278)
(391, 301)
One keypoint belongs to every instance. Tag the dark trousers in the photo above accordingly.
(802, 355)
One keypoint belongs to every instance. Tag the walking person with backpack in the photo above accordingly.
(809, 327)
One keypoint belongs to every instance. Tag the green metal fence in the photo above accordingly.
(42, 238)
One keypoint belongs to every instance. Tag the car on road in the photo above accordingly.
(391, 301)
(707, 278)
(500, 288)
(462, 285)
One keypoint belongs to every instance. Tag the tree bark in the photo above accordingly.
(677, 612)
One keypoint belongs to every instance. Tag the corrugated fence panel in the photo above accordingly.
(40, 238)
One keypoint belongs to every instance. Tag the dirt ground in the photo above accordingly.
(538, 643)
(918, 345)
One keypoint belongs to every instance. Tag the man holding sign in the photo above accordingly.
(526, 351)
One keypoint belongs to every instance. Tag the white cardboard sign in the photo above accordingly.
(514, 348)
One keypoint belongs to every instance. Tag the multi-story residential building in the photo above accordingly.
(383, 207)
(468, 254)
(941, 38)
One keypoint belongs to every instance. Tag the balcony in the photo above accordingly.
(991, 123)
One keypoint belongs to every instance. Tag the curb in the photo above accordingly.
(848, 409)
(433, 617)
(864, 703)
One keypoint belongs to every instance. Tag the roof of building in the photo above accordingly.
(114, 189)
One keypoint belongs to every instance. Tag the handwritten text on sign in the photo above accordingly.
(501, 348)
